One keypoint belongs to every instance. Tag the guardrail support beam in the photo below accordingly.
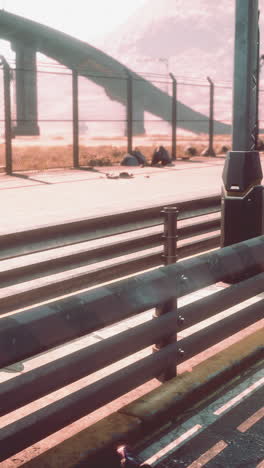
(210, 150)
(129, 113)
(75, 118)
(169, 256)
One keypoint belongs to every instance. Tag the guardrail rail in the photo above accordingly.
(41, 328)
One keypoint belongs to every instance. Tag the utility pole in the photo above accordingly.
(242, 204)
(210, 150)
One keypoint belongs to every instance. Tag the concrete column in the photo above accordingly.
(26, 90)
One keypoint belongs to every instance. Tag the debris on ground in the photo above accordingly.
(121, 175)
(125, 175)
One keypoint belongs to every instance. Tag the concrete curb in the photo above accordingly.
(92, 446)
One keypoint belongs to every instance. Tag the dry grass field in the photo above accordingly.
(33, 153)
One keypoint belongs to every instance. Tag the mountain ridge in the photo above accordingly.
(195, 36)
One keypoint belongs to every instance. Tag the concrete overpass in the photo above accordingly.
(28, 37)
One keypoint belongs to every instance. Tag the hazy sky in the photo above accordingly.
(88, 20)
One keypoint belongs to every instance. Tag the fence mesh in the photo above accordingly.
(151, 130)
(223, 112)
(103, 125)
(102, 119)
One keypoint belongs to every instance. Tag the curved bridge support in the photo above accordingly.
(26, 90)
(100, 68)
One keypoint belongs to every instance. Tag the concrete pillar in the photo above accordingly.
(26, 90)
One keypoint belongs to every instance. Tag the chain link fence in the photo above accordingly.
(61, 123)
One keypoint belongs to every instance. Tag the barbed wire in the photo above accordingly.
(189, 79)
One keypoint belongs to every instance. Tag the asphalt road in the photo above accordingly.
(227, 433)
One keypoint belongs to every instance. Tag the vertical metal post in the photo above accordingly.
(8, 122)
(170, 256)
(75, 119)
(174, 118)
(129, 113)
(210, 151)
(242, 201)
(257, 85)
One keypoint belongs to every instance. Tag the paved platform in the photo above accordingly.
(38, 198)
(34, 199)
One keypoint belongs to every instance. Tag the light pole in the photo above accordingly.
(242, 204)
(260, 65)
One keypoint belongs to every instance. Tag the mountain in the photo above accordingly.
(196, 37)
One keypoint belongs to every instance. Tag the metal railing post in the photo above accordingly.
(210, 151)
(75, 118)
(170, 256)
(129, 113)
(174, 117)
(8, 121)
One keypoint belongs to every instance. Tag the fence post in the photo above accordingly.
(75, 119)
(129, 113)
(170, 256)
(210, 150)
(8, 122)
(174, 117)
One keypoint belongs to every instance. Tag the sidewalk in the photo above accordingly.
(35, 199)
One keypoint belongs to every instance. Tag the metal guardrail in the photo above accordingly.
(25, 334)
(21, 242)
(86, 252)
